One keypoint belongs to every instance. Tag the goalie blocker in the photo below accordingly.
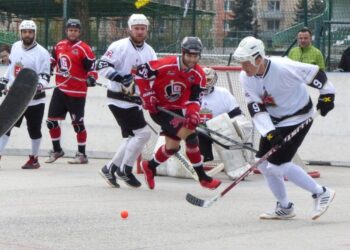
(236, 162)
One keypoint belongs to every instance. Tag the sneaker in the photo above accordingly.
(32, 163)
(322, 202)
(79, 158)
(210, 183)
(54, 155)
(148, 173)
(279, 213)
(109, 176)
(128, 177)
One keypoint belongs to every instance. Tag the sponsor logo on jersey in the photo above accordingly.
(170, 73)
(109, 53)
(205, 114)
(174, 90)
(75, 52)
(18, 67)
(190, 79)
(268, 99)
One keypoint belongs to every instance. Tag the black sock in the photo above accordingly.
(127, 170)
(201, 173)
(113, 168)
(81, 149)
(56, 146)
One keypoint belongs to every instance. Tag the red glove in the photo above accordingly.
(192, 119)
(150, 101)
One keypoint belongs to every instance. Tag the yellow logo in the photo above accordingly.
(141, 3)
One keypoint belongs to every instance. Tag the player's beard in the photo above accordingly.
(138, 40)
(27, 41)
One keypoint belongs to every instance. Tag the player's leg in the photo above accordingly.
(192, 151)
(76, 109)
(34, 116)
(57, 111)
(165, 151)
(134, 125)
(206, 148)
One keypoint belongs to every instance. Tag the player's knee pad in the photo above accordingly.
(143, 134)
(192, 140)
(78, 127)
(51, 124)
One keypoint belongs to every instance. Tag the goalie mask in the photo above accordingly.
(211, 77)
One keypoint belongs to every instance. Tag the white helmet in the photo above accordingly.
(27, 25)
(212, 78)
(249, 49)
(138, 19)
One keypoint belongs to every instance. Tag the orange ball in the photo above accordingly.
(124, 214)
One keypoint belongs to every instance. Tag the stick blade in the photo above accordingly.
(194, 200)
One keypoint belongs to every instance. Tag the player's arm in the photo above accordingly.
(44, 70)
(89, 65)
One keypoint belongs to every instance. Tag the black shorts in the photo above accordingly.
(34, 116)
(164, 119)
(61, 104)
(287, 152)
(128, 119)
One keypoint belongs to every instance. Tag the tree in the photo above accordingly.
(243, 13)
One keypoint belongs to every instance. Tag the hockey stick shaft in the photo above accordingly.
(206, 203)
(208, 130)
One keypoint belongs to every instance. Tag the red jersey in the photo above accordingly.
(78, 61)
(173, 87)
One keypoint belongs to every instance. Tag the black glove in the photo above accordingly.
(91, 81)
(127, 80)
(275, 138)
(325, 103)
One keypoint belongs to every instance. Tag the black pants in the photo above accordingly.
(34, 116)
(287, 152)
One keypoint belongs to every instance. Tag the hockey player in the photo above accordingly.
(75, 71)
(220, 110)
(175, 84)
(121, 58)
(27, 53)
(278, 102)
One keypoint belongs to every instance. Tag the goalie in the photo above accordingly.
(220, 112)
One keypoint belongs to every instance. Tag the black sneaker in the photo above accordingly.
(128, 177)
(109, 176)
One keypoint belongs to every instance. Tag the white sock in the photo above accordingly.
(300, 178)
(275, 182)
(35, 146)
(118, 156)
(3, 141)
(135, 146)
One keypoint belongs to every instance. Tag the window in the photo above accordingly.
(273, 25)
(273, 5)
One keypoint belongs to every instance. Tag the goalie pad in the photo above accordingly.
(233, 160)
(243, 126)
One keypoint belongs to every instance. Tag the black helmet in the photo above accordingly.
(73, 23)
(191, 44)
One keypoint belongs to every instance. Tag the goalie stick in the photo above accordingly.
(207, 203)
(17, 99)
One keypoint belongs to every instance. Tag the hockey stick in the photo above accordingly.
(207, 203)
(67, 75)
(200, 130)
(181, 159)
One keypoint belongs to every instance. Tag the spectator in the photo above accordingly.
(5, 54)
(344, 64)
(306, 52)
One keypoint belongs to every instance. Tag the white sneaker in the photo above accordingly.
(322, 202)
(79, 158)
(279, 213)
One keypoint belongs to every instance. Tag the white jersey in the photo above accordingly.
(36, 58)
(216, 103)
(282, 90)
(124, 56)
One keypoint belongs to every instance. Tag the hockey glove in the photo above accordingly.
(275, 138)
(325, 103)
(150, 101)
(127, 80)
(91, 81)
(192, 120)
